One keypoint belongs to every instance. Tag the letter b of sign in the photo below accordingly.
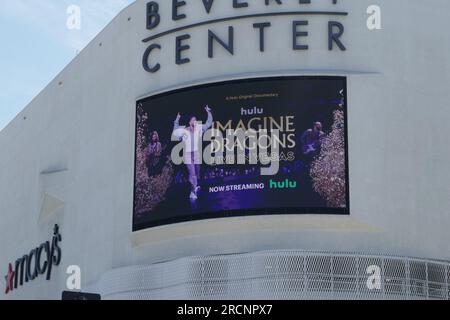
(153, 17)
(74, 279)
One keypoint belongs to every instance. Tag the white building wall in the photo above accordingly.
(82, 124)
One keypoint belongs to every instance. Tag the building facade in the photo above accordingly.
(68, 159)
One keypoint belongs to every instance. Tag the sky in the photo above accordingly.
(39, 38)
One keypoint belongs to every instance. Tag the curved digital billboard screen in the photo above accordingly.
(247, 147)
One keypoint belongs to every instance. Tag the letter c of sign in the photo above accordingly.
(145, 59)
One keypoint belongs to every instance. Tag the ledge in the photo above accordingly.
(239, 225)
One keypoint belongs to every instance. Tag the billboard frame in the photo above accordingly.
(244, 212)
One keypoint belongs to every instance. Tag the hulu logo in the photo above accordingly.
(286, 184)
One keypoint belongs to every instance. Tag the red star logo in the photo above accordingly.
(9, 279)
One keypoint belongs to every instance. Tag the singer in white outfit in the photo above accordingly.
(192, 137)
